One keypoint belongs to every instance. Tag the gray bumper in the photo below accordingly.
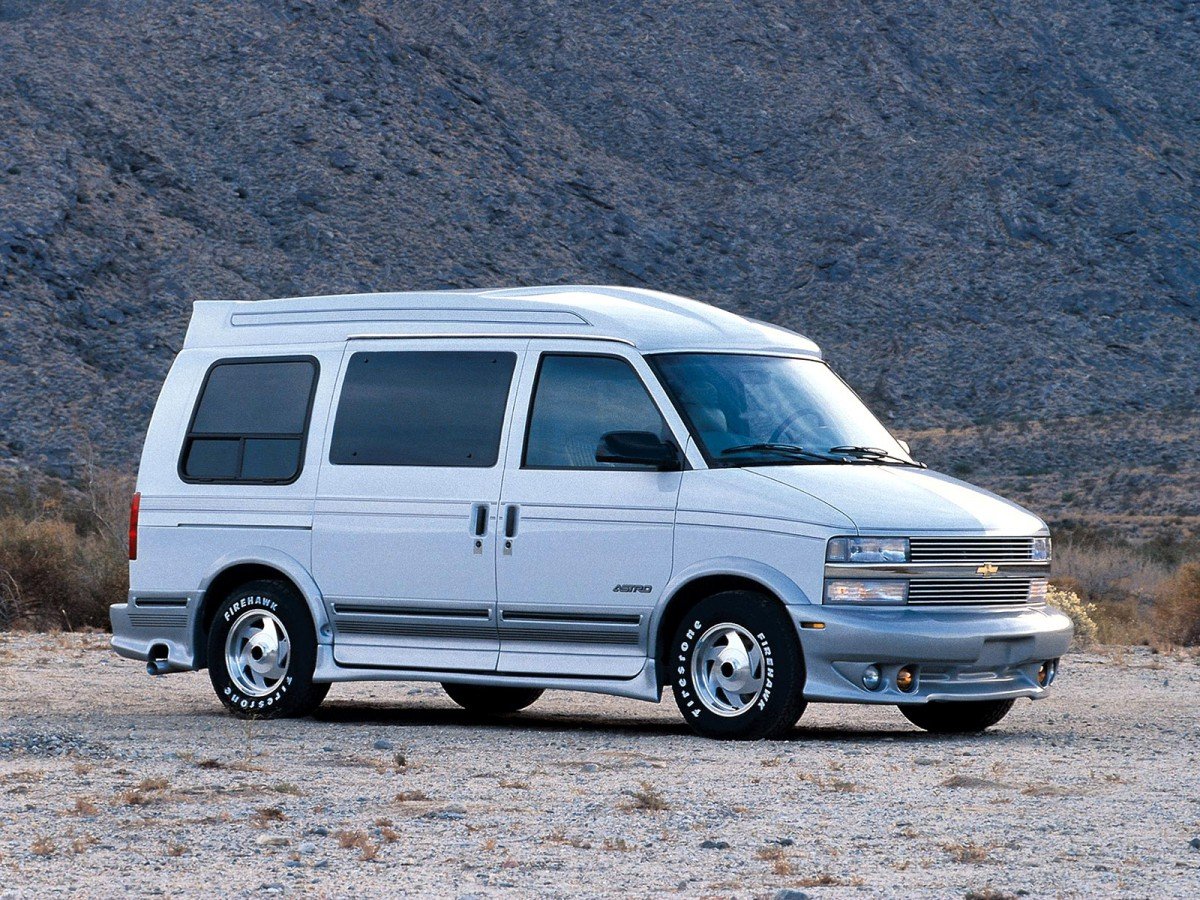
(158, 626)
(959, 654)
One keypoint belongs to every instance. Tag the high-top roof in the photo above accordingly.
(650, 320)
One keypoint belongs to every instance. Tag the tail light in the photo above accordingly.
(135, 506)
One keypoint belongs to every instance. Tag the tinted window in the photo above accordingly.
(250, 421)
(576, 401)
(422, 408)
(737, 403)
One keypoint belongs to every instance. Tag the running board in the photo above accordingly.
(643, 686)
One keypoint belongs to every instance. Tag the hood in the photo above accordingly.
(903, 500)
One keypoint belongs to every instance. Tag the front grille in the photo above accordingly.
(951, 591)
(970, 549)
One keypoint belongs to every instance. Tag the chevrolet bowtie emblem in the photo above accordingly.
(987, 569)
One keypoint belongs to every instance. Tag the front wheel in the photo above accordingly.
(965, 717)
(262, 650)
(491, 700)
(737, 669)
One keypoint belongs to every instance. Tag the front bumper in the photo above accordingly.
(958, 654)
(156, 626)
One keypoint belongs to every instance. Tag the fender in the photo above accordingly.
(775, 581)
(289, 566)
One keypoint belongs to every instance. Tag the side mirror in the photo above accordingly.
(904, 446)
(641, 448)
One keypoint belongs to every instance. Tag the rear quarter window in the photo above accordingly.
(251, 421)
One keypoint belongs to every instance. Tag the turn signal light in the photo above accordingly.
(906, 679)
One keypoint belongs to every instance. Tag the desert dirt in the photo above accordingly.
(116, 784)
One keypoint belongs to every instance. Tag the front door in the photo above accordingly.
(404, 528)
(585, 547)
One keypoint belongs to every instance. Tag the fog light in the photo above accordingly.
(871, 678)
(1046, 672)
(906, 679)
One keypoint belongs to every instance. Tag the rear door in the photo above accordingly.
(585, 547)
(404, 528)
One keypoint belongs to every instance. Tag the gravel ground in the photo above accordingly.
(112, 783)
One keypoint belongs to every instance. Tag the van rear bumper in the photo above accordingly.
(958, 654)
(156, 626)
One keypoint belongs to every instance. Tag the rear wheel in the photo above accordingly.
(492, 700)
(967, 717)
(262, 650)
(736, 667)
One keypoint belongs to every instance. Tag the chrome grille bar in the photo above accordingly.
(951, 591)
(970, 549)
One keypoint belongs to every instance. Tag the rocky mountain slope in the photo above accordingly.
(987, 213)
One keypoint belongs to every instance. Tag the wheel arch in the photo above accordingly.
(250, 565)
(698, 582)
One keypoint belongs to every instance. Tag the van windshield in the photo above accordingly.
(751, 410)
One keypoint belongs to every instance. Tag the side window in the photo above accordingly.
(577, 399)
(250, 422)
(422, 408)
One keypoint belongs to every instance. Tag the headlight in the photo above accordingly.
(1041, 548)
(867, 550)
(893, 591)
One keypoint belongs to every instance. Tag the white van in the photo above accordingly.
(579, 488)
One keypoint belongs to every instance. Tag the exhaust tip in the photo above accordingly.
(157, 663)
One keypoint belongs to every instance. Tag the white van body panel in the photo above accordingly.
(421, 573)
(591, 554)
(650, 320)
(895, 500)
(405, 578)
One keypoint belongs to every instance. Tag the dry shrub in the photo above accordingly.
(148, 790)
(967, 852)
(1177, 612)
(63, 553)
(412, 797)
(55, 577)
(42, 846)
(648, 797)
(358, 840)
(781, 865)
(1135, 594)
(1078, 611)
(989, 893)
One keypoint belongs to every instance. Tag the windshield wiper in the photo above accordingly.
(792, 451)
(875, 453)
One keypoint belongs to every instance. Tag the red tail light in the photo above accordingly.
(135, 506)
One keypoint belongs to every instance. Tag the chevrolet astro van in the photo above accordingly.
(569, 488)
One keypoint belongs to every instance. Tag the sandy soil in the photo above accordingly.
(112, 784)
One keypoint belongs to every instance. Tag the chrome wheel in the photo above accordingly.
(257, 652)
(728, 670)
